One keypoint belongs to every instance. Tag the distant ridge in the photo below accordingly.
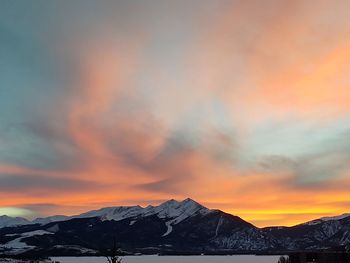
(172, 227)
(117, 213)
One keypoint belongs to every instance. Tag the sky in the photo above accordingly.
(240, 105)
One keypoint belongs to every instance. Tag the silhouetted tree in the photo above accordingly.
(284, 259)
(113, 254)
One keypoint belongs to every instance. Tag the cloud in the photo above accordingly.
(168, 185)
(39, 183)
(247, 97)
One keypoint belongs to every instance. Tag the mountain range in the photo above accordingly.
(173, 227)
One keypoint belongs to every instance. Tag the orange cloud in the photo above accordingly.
(262, 60)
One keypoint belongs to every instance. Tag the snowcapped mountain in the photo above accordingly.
(171, 227)
(168, 209)
(6, 221)
(172, 210)
(46, 220)
(334, 232)
(328, 218)
(113, 213)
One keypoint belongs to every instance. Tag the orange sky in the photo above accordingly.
(243, 106)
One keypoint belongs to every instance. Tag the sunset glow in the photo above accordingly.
(243, 106)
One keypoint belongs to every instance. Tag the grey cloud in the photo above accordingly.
(18, 183)
(38, 207)
(308, 171)
(167, 185)
(41, 145)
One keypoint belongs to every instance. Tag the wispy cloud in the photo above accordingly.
(220, 101)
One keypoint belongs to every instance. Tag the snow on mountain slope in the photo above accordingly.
(6, 221)
(173, 212)
(177, 210)
(174, 225)
(113, 213)
(326, 219)
(172, 209)
(46, 220)
(19, 246)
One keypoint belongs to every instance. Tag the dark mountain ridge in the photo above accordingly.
(172, 227)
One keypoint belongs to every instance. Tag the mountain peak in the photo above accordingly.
(191, 201)
(170, 202)
(172, 210)
(187, 201)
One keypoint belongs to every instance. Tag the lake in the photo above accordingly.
(175, 259)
